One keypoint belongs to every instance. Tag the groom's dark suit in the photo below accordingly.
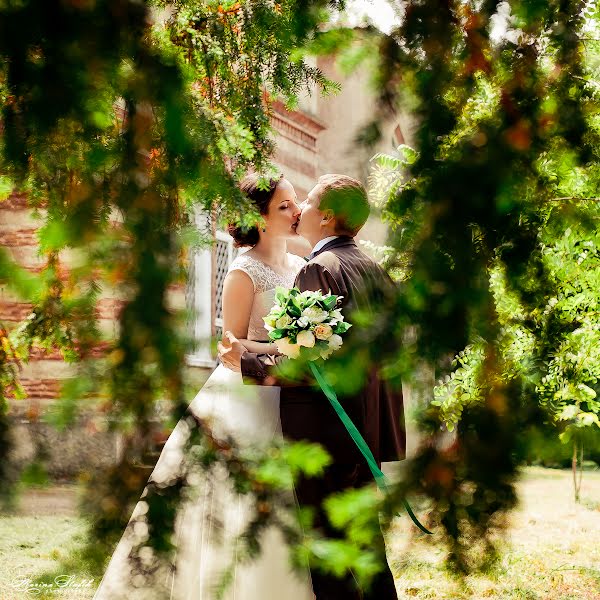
(375, 406)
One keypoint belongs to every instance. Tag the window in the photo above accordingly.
(208, 268)
(224, 253)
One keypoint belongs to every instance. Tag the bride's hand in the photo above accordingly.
(230, 352)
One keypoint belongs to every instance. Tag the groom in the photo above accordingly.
(332, 214)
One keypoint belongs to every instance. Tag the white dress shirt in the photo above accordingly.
(322, 242)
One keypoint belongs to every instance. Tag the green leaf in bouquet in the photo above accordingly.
(309, 298)
(281, 295)
(294, 308)
(341, 327)
(308, 302)
(277, 334)
(270, 320)
(306, 354)
(330, 302)
(320, 345)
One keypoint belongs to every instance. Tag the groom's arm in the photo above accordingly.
(261, 369)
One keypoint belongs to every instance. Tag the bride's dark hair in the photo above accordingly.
(261, 198)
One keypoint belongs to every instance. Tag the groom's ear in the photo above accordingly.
(328, 217)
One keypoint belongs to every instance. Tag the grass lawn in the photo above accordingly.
(37, 542)
(552, 551)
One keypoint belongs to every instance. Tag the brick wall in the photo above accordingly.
(87, 443)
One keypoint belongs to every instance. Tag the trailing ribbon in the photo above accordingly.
(378, 475)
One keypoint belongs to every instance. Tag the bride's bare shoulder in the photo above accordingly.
(240, 270)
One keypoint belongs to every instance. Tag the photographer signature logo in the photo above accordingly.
(59, 584)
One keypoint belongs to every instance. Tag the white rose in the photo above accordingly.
(303, 322)
(306, 338)
(315, 315)
(270, 321)
(288, 348)
(337, 314)
(323, 331)
(283, 322)
(335, 342)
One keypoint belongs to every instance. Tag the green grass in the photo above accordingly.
(37, 549)
(551, 550)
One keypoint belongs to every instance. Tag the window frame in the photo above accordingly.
(206, 294)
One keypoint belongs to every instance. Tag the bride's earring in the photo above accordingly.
(263, 230)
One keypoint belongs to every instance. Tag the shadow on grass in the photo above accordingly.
(80, 571)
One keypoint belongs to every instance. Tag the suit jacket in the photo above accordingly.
(374, 405)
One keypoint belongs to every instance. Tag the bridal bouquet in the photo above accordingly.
(306, 324)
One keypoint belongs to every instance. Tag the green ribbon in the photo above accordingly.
(378, 475)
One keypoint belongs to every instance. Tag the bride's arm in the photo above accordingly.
(238, 297)
(258, 347)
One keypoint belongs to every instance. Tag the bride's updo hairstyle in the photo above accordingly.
(261, 198)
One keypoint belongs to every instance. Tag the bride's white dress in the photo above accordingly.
(208, 522)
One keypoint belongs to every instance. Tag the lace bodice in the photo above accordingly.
(265, 281)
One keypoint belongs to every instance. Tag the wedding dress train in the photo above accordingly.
(209, 521)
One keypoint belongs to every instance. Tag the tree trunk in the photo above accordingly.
(577, 480)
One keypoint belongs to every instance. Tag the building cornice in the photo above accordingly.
(296, 125)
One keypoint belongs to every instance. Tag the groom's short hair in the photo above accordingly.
(347, 199)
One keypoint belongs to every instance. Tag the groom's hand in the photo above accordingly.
(230, 352)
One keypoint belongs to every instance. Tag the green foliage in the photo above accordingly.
(462, 386)
(118, 125)
(34, 474)
(285, 465)
(546, 449)
(493, 222)
(565, 382)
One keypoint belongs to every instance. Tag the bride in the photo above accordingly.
(207, 526)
